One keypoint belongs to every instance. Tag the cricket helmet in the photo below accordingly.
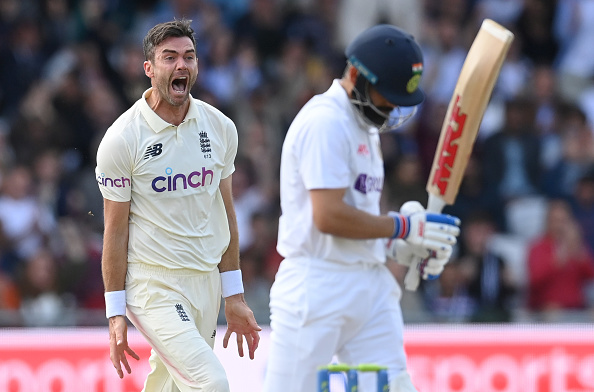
(391, 60)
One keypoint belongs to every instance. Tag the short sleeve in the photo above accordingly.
(231, 152)
(323, 154)
(114, 168)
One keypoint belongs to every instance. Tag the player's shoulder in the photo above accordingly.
(209, 111)
(126, 123)
(323, 114)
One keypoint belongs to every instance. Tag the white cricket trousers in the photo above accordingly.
(176, 311)
(320, 309)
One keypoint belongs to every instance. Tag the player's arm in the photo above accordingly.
(332, 215)
(240, 318)
(427, 234)
(114, 265)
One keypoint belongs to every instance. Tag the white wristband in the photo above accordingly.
(231, 283)
(115, 303)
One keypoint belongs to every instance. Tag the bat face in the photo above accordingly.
(461, 124)
(466, 108)
(449, 149)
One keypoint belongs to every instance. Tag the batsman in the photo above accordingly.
(333, 294)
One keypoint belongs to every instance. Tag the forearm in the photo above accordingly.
(231, 282)
(349, 222)
(230, 259)
(114, 263)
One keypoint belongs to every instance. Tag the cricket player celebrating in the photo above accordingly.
(170, 245)
(333, 294)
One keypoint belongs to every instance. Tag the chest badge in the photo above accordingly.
(153, 151)
(363, 150)
(205, 144)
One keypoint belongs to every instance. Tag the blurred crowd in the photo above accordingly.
(69, 68)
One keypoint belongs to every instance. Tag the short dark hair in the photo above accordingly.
(162, 31)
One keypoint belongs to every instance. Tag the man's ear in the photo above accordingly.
(148, 69)
(353, 73)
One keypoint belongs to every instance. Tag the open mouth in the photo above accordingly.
(180, 84)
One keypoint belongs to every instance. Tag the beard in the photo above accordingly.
(376, 115)
(163, 86)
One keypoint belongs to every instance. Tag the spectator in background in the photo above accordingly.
(446, 298)
(263, 26)
(26, 223)
(22, 61)
(534, 30)
(574, 30)
(471, 193)
(583, 205)
(560, 264)
(405, 182)
(43, 303)
(354, 16)
(488, 279)
(511, 159)
(542, 86)
(247, 198)
(10, 301)
(69, 66)
(444, 56)
(577, 143)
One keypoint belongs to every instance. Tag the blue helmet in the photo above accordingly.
(391, 60)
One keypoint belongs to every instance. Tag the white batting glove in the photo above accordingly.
(428, 236)
(403, 252)
(428, 230)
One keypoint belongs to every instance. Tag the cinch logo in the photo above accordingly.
(449, 150)
(365, 183)
(113, 182)
(173, 182)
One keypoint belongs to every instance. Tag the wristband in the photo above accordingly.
(231, 283)
(401, 226)
(115, 303)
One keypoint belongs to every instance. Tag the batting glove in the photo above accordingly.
(429, 230)
(428, 236)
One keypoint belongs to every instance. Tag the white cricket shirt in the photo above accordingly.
(171, 175)
(327, 147)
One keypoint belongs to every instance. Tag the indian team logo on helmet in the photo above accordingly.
(413, 82)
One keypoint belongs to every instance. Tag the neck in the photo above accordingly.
(171, 113)
(347, 85)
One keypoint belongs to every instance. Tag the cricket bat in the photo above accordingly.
(462, 121)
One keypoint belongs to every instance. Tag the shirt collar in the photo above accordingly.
(339, 93)
(156, 122)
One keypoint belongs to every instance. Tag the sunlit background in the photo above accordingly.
(524, 264)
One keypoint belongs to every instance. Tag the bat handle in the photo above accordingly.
(413, 275)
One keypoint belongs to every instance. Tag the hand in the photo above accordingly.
(434, 260)
(118, 344)
(435, 244)
(427, 230)
(241, 321)
(403, 252)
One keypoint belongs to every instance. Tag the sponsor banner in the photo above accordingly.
(502, 359)
(441, 358)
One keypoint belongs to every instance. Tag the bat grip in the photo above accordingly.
(413, 275)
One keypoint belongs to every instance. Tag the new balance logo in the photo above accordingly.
(181, 312)
(153, 151)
